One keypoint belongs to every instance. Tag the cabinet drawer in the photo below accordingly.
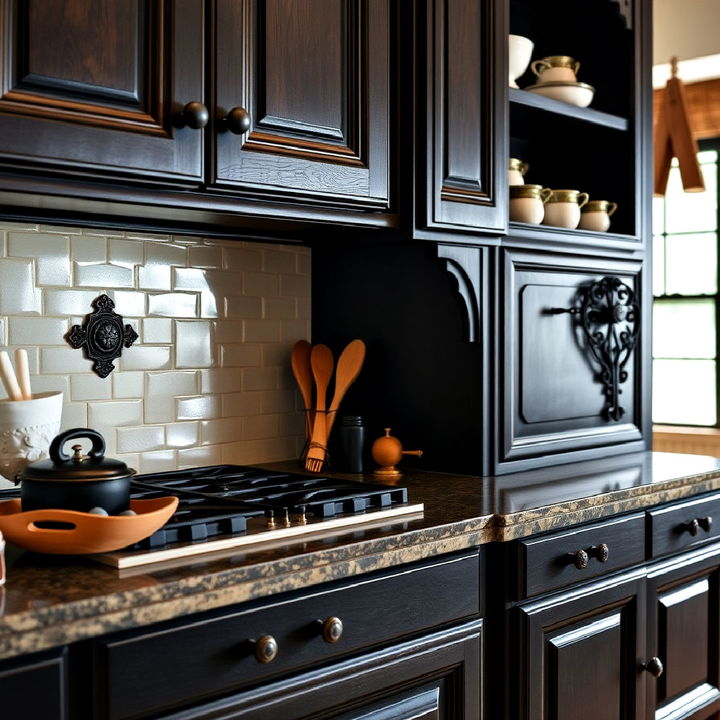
(146, 672)
(678, 526)
(34, 688)
(574, 555)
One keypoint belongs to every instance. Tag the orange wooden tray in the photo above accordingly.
(86, 533)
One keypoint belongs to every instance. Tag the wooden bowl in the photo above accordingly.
(86, 533)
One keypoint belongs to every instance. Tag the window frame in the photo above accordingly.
(703, 145)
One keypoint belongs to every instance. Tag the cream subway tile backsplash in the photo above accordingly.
(18, 292)
(207, 381)
(34, 331)
(202, 407)
(193, 346)
(100, 275)
(174, 304)
(156, 330)
(155, 277)
(89, 388)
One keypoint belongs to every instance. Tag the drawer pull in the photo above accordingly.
(691, 526)
(579, 558)
(705, 523)
(332, 629)
(237, 121)
(601, 552)
(266, 649)
(194, 115)
(655, 667)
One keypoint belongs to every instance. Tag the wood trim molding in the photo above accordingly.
(703, 105)
(691, 440)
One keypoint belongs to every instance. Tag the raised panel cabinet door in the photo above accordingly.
(463, 101)
(302, 101)
(583, 653)
(95, 87)
(556, 393)
(683, 619)
(35, 687)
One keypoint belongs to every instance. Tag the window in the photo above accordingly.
(685, 286)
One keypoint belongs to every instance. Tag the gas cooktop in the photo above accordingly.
(223, 507)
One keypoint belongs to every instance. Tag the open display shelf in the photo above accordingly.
(588, 114)
(592, 149)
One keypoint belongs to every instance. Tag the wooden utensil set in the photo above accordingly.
(17, 386)
(315, 365)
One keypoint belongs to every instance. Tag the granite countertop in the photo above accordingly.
(48, 601)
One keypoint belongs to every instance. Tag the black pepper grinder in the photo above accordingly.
(352, 440)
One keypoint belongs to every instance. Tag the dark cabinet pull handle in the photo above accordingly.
(705, 523)
(332, 629)
(266, 649)
(237, 121)
(691, 526)
(655, 667)
(601, 552)
(194, 115)
(579, 559)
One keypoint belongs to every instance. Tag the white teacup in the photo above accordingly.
(519, 53)
(563, 208)
(516, 171)
(555, 68)
(596, 215)
(527, 203)
(27, 427)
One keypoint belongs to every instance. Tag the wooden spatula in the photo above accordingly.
(300, 361)
(349, 365)
(323, 364)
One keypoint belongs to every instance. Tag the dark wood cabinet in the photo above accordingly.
(35, 687)
(274, 111)
(554, 392)
(684, 634)
(395, 654)
(582, 653)
(432, 678)
(313, 80)
(90, 89)
(462, 152)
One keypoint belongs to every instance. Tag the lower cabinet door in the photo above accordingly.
(683, 618)
(582, 653)
(35, 687)
(437, 677)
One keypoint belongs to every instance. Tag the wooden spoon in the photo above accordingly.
(322, 364)
(300, 361)
(349, 365)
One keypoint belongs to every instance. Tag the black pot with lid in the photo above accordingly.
(77, 482)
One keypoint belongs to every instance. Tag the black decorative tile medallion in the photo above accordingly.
(102, 335)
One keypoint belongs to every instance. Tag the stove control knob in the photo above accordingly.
(266, 649)
(332, 629)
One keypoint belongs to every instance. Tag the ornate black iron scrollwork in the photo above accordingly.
(103, 335)
(610, 320)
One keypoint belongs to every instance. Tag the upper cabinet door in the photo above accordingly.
(94, 86)
(463, 103)
(302, 101)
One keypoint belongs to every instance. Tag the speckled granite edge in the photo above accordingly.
(44, 628)
(565, 514)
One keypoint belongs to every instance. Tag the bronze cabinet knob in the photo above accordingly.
(194, 115)
(579, 558)
(691, 526)
(655, 667)
(332, 629)
(601, 552)
(237, 121)
(266, 649)
(705, 523)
